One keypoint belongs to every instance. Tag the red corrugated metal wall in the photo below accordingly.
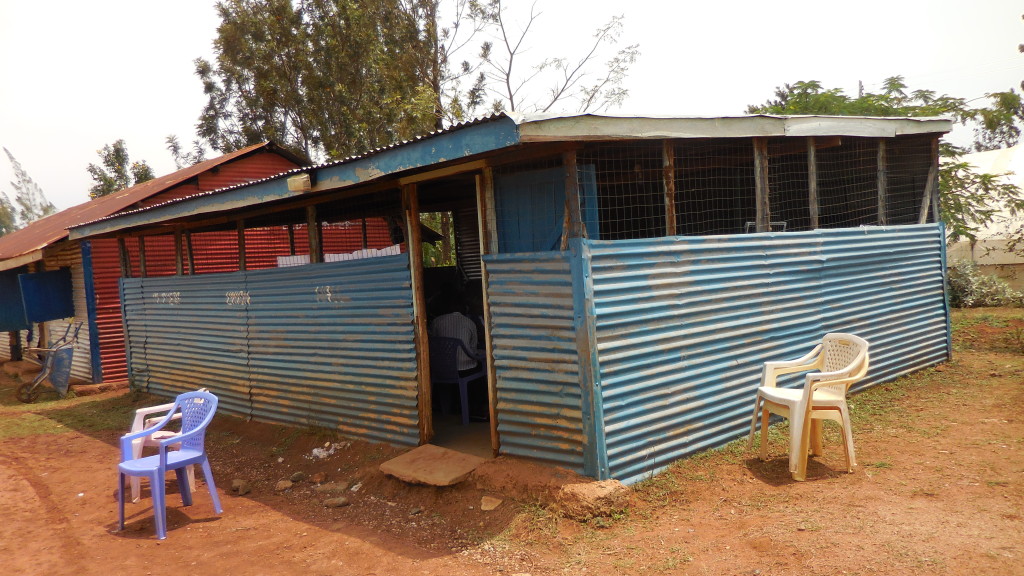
(219, 253)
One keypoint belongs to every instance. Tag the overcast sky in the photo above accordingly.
(76, 75)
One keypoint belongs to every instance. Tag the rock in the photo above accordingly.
(240, 486)
(415, 511)
(488, 503)
(332, 488)
(336, 502)
(318, 478)
(586, 500)
(283, 485)
(298, 477)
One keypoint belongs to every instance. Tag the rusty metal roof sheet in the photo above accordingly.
(25, 245)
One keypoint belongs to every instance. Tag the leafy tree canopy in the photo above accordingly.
(116, 171)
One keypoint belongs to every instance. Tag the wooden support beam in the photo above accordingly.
(668, 163)
(142, 256)
(883, 182)
(291, 240)
(179, 249)
(812, 182)
(488, 245)
(126, 267)
(190, 253)
(573, 222)
(241, 245)
(414, 242)
(933, 183)
(763, 214)
(316, 253)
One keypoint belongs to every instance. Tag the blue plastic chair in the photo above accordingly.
(197, 410)
(444, 368)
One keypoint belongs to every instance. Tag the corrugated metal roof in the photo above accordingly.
(19, 247)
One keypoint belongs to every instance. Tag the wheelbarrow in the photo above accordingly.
(56, 367)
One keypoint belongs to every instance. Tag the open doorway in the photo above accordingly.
(454, 296)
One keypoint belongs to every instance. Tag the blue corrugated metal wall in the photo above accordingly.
(533, 339)
(333, 345)
(184, 333)
(329, 344)
(684, 324)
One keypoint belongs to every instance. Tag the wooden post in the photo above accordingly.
(126, 268)
(668, 163)
(883, 178)
(763, 214)
(291, 240)
(366, 243)
(241, 245)
(488, 245)
(572, 224)
(931, 187)
(414, 240)
(316, 253)
(190, 253)
(812, 182)
(14, 339)
(179, 258)
(142, 256)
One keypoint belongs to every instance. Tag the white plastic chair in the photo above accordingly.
(841, 360)
(147, 418)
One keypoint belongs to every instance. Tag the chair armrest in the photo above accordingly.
(126, 440)
(141, 421)
(808, 362)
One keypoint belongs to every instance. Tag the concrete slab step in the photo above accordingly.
(21, 367)
(432, 465)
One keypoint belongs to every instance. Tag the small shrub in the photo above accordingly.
(970, 288)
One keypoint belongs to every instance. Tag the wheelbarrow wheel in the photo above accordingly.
(28, 392)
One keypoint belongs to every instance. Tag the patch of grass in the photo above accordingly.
(881, 465)
(995, 483)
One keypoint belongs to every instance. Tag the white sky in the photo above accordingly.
(76, 75)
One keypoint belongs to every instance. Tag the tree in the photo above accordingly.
(331, 78)
(30, 204)
(969, 200)
(184, 159)
(117, 171)
(320, 77)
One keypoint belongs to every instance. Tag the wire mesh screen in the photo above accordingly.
(626, 183)
(714, 186)
(264, 245)
(908, 159)
(364, 227)
(788, 185)
(848, 183)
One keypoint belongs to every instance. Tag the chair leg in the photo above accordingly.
(156, 486)
(800, 474)
(191, 476)
(135, 480)
(120, 500)
(184, 487)
(208, 476)
(851, 458)
(765, 415)
(753, 423)
(816, 427)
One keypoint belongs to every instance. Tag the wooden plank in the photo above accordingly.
(241, 245)
(179, 266)
(411, 213)
(142, 256)
(931, 191)
(485, 222)
(190, 253)
(574, 219)
(883, 178)
(126, 269)
(763, 214)
(316, 253)
(812, 181)
(668, 163)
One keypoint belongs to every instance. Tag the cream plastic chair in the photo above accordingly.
(841, 360)
(147, 418)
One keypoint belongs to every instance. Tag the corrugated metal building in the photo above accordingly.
(95, 266)
(633, 273)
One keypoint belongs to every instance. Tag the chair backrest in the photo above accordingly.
(845, 354)
(444, 359)
(197, 410)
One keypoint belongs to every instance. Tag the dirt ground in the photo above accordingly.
(939, 489)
